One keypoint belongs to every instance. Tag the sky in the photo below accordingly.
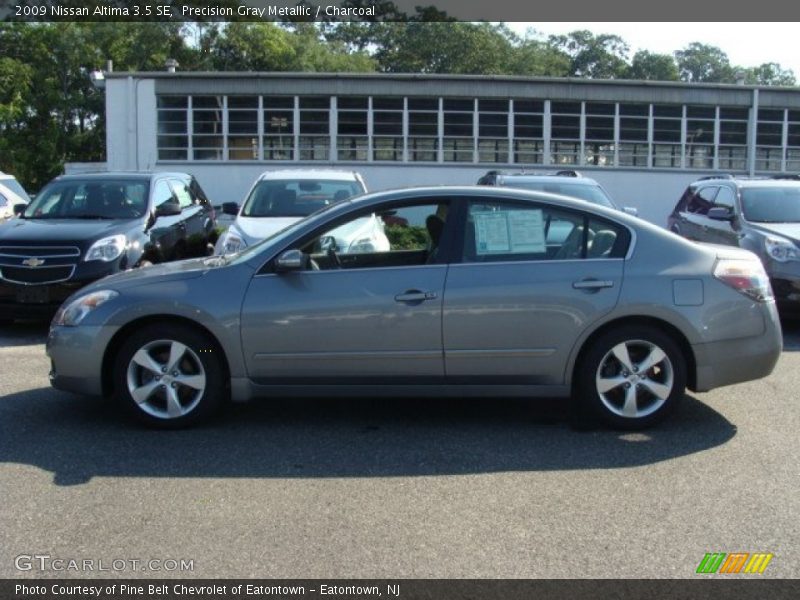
(746, 44)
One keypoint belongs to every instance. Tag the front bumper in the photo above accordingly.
(76, 357)
(743, 359)
(41, 301)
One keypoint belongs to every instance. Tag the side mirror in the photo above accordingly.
(720, 213)
(630, 210)
(291, 260)
(168, 209)
(19, 208)
(230, 208)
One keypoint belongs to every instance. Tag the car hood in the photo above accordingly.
(788, 230)
(255, 229)
(61, 230)
(182, 269)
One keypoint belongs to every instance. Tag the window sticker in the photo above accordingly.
(509, 232)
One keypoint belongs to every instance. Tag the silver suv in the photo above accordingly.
(758, 214)
(565, 183)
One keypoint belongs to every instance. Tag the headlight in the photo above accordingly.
(781, 249)
(107, 249)
(74, 312)
(232, 244)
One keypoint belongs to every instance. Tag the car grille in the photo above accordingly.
(37, 265)
(38, 275)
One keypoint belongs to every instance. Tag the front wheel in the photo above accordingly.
(169, 376)
(632, 377)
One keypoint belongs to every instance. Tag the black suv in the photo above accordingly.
(760, 214)
(83, 227)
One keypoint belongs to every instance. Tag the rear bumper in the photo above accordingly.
(735, 361)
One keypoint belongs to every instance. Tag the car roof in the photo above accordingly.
(304, 174)
(484, 191)
(101, 175)
(561, 179)
(743, 181)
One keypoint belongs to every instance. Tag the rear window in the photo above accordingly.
(286, 198)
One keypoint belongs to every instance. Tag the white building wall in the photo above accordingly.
(132, 138)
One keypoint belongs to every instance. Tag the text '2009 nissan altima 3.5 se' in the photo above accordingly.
(473, 296)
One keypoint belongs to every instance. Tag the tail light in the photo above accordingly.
(746, 277)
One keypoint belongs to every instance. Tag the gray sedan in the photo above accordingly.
(474, 296)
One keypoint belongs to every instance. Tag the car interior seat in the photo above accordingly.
(602, 243)
(435, 226)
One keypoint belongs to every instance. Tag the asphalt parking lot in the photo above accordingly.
(402, 489)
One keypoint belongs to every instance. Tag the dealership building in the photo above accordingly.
(643, 141)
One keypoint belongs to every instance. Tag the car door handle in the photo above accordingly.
(592, 284)
(415, 296)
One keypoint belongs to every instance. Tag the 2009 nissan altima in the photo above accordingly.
(473, 296)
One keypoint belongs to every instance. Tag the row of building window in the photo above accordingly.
(458, 130)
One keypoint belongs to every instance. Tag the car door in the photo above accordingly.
(166, 232)
(193, 217)
(531, 278)
(719, 231)
(367, 309)
(695, 220)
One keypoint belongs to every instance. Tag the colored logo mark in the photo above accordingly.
(736, 562)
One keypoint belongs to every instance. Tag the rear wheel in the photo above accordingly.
(632, 377)
(169, 376)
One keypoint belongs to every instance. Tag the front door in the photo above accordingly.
(368, 308)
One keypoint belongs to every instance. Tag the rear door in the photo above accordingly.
(530, 280)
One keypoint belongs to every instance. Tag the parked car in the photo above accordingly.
(471, 299)
(280, 198)
(11, 194)
(83, 227)
(759, 214)
(566, 182)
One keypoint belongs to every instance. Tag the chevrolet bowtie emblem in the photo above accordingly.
(33, 262)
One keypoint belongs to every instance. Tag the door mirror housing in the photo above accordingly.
(291, 260)
(168, 209)
(19, 208)
(230, 208)
(720, 213)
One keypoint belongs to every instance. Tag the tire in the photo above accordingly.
(169, 376)
(631, 377)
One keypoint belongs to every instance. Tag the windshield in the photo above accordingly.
(591, 193)
(284, 233)
(95, 199)
(288, 198)
(14, 186)
(771, 204)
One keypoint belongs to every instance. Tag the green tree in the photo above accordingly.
(700, 63)
(600, 56)
(458, 48)
(769, 74)
(651, 66)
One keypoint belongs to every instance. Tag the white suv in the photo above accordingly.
(280, 198)
(11, 194)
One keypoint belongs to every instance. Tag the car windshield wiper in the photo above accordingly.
(88, 216)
